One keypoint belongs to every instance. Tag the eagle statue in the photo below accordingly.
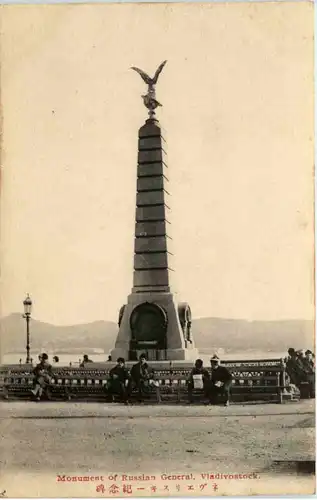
(149, 99)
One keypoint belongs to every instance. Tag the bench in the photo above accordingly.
(66, 383)
(16, 382)
(253, 380)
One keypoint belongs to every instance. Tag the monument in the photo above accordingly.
(152, 321)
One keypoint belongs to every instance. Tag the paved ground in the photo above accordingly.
(41, 440)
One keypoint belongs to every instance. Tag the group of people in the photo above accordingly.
(300, 366)
(122, 381)
(43, 373)
(214, 384)
(141, 377)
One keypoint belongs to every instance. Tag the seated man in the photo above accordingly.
(119, 380)
(142, 377)
(199, 378)
(43, 375)
(220, 383)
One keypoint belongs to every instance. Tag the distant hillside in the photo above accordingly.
(100, 334)
(235, 334)
(209, 333)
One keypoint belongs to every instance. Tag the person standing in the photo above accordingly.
(220, 382)
(310, 360)
(294, 367)
(310, 365)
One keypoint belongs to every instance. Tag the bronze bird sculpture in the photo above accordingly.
(149, 99)
(150, 102)
(146, 78)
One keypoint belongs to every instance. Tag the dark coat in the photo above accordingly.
(307, 365)
(221, 374)
(140, 372)
(43, 373)
(296, 370)
(119, 374)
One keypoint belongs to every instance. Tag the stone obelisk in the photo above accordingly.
(152, 322)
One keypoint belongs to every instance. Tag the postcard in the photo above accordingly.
(157, 250)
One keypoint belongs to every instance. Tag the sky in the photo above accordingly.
(237, 115)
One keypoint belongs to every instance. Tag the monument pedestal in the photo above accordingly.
(160, 329)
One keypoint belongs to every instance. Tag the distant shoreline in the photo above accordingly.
(72, 352)
(75, 358)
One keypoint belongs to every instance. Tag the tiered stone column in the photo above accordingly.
(152, 316)
(151, 256)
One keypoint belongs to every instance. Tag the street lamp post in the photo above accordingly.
(27, 304)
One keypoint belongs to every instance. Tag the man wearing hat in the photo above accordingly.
(310, 361)
(119, 381)
(220, 383)
(293, 367)
(302, 363)
(142, 376)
